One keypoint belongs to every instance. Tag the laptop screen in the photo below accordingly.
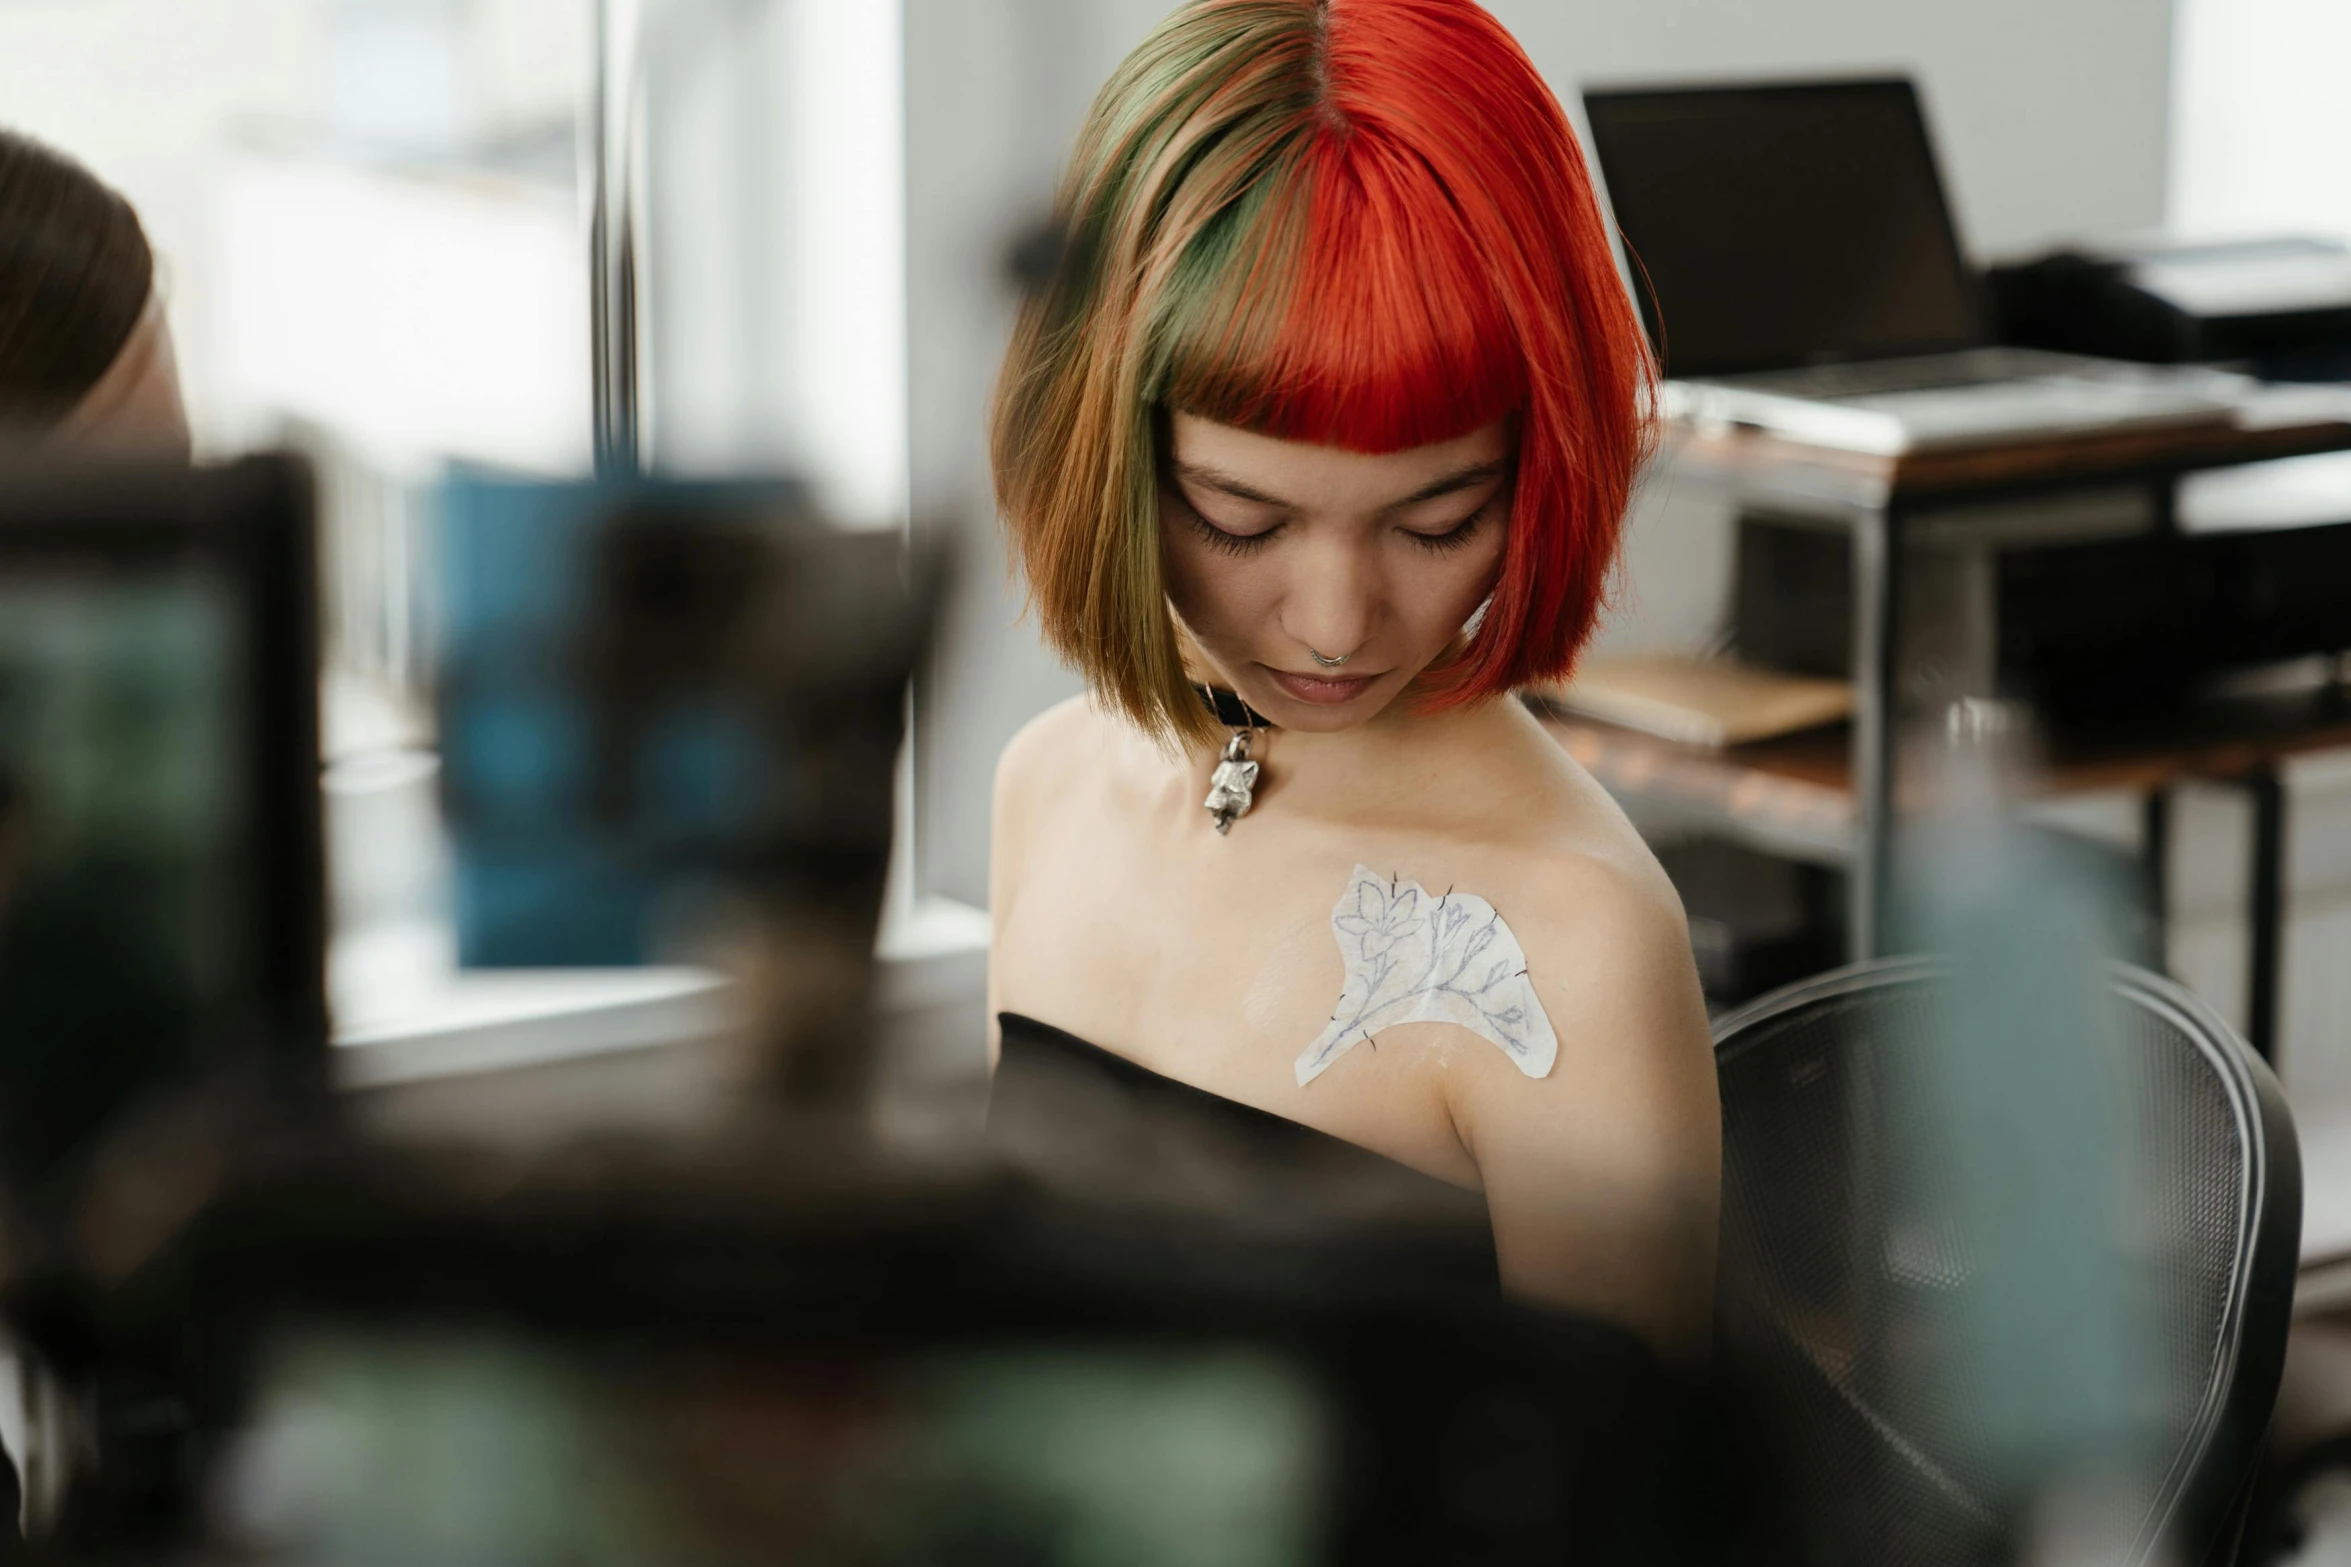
(1779, 226)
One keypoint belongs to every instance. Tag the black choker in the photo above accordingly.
(1229, 709)
(1232, 788)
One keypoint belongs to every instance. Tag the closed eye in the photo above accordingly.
(1229, 541)
(1453, 538)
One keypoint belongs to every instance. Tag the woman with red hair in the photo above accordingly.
(1314, 449)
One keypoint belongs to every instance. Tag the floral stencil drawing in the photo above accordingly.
(1412, 958)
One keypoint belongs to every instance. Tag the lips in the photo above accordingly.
(1322, 690)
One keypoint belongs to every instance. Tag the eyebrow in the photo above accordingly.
(1461, 479)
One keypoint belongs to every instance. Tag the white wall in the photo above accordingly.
(145, 92)
(2050, 115)
(2260, 124)
(775, 272)
(2261, 117)
(151, 93)
(994, 92)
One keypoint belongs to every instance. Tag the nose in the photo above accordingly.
(1332, 606)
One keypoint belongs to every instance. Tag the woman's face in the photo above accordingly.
(1277, 550)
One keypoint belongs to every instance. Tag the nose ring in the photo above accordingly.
(1329, 663)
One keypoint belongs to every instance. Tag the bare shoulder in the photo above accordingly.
(1052, 733)
(1022, 772)
(1600, 923)
(1608, 951)
(1031, 774)
(1615, 1152)
(1037, 762)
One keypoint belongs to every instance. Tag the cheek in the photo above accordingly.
(1210, 590)
(1446, 591)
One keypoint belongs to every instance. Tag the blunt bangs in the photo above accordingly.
(1387, 329)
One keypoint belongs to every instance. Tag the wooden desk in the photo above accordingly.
(1833, 797)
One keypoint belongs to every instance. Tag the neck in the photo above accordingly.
(1399, 758)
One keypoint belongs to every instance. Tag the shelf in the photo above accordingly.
(1794, 795)
(1788, 797)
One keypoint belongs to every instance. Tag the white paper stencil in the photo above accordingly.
(1412, 958)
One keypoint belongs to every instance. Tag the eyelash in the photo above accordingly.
(1445, 543)
(1454, 537)
(1230, 543)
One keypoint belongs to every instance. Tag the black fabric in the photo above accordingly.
(1086, 1106)
(1230, 710)
(1591, 1447)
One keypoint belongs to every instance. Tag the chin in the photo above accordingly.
(1302, 718)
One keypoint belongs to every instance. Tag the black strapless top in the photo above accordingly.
(1059, 1101)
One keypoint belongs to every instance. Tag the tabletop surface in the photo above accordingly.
(1764, 465)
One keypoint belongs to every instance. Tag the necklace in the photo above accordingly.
(1232, 787)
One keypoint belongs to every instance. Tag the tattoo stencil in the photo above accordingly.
(1412, 958)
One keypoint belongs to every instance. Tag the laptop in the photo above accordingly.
(1797, 266)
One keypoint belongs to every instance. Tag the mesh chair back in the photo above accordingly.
(1832, 1282)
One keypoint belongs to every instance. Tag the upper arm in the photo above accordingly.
(1008, 829)
(1603, 1177)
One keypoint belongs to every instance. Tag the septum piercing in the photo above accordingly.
(1328, 663)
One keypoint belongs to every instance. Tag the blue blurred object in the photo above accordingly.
(2020, 1087)
(620, 715)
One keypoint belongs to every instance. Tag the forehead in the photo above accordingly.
(1328, 476)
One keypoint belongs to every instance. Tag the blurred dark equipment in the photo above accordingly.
(2298, 1510)
(2280, 304)
(770, 1340)
(743, 1357)
(162, 908)
(2088, 609)
(1833, 1277)
(1037, 253)
(670, 719)
(1796, 261)
(2155, 591)
(1756, 921)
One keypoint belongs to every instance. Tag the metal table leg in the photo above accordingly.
(2267, 912)
(2155, 873)
(1876, 577)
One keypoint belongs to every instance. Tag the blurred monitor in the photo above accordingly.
(1149, 1454)
(880, 1368)
(1771, 227)
(161, 891)
(663, 704)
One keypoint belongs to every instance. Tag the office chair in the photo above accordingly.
(1863, 1440)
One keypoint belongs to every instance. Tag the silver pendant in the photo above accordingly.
(1232, 788)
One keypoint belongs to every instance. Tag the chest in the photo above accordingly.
(1157, 935)
(1213, 960)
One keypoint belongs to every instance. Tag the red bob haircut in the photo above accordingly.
(1357, 223)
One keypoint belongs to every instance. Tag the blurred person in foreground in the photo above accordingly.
(1315, 449)
(86, 362)
(90, 1004)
